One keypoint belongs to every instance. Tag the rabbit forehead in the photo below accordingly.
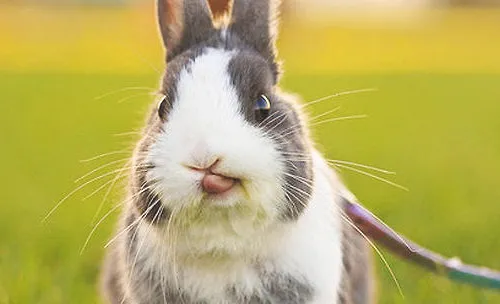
(205, 88)
(220, 81)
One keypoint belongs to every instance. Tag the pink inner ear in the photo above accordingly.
(219, 7)
(184, 24)
(171, 21)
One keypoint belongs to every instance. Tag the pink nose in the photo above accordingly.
(217, 184)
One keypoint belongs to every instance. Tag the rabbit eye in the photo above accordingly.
(262, 107)
(162, 107)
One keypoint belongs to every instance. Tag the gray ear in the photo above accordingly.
(183, 23)
(255, 22)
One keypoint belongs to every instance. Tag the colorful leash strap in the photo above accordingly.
(451, 268)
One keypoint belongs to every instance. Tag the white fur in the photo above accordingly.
(206, 257)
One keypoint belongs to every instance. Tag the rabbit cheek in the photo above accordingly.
(252, 76)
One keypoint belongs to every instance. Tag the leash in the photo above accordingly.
(451, 268)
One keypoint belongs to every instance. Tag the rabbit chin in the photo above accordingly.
(215, 226)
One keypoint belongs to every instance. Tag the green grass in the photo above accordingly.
(438, 132)
(434, 120)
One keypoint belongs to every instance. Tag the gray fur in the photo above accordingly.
(111, 279)
(280, 289)
(288, 290)
(147, 203)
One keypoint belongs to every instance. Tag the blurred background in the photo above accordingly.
(76, 78)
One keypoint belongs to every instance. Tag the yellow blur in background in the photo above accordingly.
(76, 80)
(123, 39)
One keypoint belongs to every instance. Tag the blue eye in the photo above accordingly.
(262, 107)
(262, 103)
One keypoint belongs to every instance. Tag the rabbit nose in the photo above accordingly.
(217, 184)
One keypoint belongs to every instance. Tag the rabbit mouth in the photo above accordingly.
(214, 183)
(217, 184)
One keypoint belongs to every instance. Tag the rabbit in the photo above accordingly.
(229, 201)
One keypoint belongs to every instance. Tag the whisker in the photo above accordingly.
(298, 200)
(306, 195)
(163, 280)
(306, 181)
(399, 237)
(73, 192)
(338, 119)
(97, 225)
(113, 183)
(139, 169)
(267, 132)
(291, 207)
(268, 120)
(372, 176)
(134, 96)
(292, 153)
(104, 155)
(132, 133)
(100, 168)
(344, 162)
(141, 217)
(324, 114)
(297, 159)
(124, 90)
(172, 244)
(143, 241)
(379, 253)
(297, 127)
(337, 95)
(292, 162)
(98, 189)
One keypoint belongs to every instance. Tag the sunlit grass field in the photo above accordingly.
(69, 82)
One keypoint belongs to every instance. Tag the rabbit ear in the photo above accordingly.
(255, 21)
(183, 23)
